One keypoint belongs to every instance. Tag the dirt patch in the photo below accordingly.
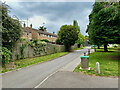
(114, 57)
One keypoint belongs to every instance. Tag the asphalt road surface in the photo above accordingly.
(30, 77)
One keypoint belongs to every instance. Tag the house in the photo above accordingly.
(38, 34)
(26, 34)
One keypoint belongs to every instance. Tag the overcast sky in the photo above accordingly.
(53, 14)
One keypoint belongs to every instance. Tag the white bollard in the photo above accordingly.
(98, 67)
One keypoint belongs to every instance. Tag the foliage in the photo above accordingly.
(103, 27)
(81, 38)
(68, 35)
(75, 23)
(45, 40)
(58, 41)
(41, 28)
(11, 28)
(38, 46)
(55, 50)
(22, 50)
(30, 61)
(5, 55)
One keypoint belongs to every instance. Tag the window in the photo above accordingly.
(39, 34)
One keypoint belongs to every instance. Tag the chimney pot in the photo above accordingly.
(30, 25)
(24, 25)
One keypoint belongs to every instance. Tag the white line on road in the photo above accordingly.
(46, 79)
(50, 75)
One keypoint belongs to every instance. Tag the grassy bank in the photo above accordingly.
(29, 61)
(108, 63)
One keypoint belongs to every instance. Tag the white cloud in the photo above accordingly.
(36, 21)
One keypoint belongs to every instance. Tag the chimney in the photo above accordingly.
(24, 25)
(53, 32)
(30, 25)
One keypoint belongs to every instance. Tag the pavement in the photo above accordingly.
(66, 79)
(32, 76)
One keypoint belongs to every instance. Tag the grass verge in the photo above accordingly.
(30, 61)
(108, 63)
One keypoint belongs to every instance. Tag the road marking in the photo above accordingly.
(46, 79)
(51, 75)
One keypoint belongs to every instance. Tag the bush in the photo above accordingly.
(45, 40)
(58, 41)
(5, 56)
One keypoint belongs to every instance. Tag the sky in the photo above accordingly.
(53, 14)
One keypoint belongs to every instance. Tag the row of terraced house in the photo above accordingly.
(30, 33)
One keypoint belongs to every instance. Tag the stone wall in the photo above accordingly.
(74, 46)
(29, 51)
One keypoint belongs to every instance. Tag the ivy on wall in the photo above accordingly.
(38, 46)
(22, 50)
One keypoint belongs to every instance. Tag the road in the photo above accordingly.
(30, 77)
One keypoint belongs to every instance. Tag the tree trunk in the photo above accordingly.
(105, 47)
(98, 46)
(78, 45)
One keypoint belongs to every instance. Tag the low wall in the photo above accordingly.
(29, 51)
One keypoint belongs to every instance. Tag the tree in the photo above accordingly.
(41, 28)
(81, 38)
(75, 23)
(104, 24)
(11, 28)
(68, 35)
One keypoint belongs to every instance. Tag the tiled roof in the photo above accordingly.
(43, 32)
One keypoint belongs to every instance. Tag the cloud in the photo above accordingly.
(54, 14)
(36, 21)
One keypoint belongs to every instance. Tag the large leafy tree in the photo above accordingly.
(11, 28)
(68, 35)
(104, 24)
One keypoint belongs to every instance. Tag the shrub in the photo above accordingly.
(45, 40)
(5, 56)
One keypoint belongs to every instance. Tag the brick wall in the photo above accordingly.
(25, 36)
